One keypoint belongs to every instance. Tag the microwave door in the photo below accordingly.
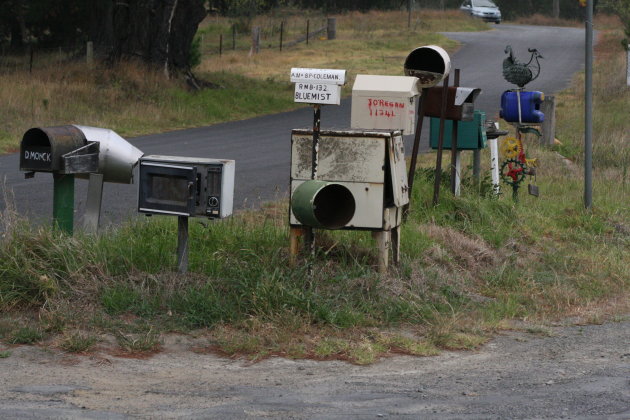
(167, 189)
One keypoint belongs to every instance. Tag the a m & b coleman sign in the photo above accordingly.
(318, 86)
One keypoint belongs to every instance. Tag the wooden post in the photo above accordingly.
(548, 107)
(220, 44)
(281, 33)
(30, 64)
(89, 53)
(331, 28)
(477, 165)
(233, 37)
(438, 163)
(255, 39)
(396, 245)
(295, 233)
(308, 24)
(416, 146)
(383, 244)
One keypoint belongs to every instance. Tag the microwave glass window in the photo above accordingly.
(169, 188)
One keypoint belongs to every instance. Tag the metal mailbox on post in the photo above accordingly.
(361, 183)
(384, 102)
(66, 151)
(460, 103)
(185, 187)
(471, 135)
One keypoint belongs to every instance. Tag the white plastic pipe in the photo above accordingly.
(494, 164)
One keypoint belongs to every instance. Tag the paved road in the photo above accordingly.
(261, 148)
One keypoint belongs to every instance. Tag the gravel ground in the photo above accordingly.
(575, 372)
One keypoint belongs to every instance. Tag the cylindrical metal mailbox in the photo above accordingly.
(322, 204)
(430, 64)
(42, 148)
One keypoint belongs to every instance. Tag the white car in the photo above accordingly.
(484, 9)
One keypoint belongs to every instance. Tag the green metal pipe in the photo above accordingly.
(321, 204)
(63, 202)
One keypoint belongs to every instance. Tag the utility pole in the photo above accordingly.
(409, 14)
(588, 109)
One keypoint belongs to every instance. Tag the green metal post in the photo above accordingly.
(63, 203)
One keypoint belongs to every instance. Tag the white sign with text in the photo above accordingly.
(317, 93)
(318, 86)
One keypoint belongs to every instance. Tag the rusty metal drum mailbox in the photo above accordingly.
(384, 102)
(42, 149)
(186, 186)
(361, 180)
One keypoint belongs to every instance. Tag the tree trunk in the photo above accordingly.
(157, 32)
(556, 9)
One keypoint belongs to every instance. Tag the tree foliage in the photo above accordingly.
(621, 8)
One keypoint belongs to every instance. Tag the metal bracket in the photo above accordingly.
(83, 160)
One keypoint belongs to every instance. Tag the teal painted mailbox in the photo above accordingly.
(471, 135)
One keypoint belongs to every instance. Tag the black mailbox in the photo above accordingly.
(43, 149)
(459, 103)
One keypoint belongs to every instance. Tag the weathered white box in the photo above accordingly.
(369, 163)
(384, 102)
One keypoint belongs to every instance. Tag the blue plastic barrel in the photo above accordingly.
(530, 106)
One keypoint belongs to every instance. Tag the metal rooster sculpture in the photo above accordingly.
(518, 73)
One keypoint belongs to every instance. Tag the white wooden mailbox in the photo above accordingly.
(361, 183)
(384, 102)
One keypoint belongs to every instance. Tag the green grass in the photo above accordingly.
(25, 335)
(78, 342)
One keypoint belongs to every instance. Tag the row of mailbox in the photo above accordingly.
(168, 184)
(204, 187)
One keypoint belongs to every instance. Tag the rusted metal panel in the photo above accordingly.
(398, 171)
(349, 159)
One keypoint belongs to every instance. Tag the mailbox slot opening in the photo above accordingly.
(334, 206)
(430, 64)
(425, 59)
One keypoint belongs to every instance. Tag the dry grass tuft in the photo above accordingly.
(471, 254)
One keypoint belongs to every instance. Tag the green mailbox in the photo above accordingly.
(471, 135)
